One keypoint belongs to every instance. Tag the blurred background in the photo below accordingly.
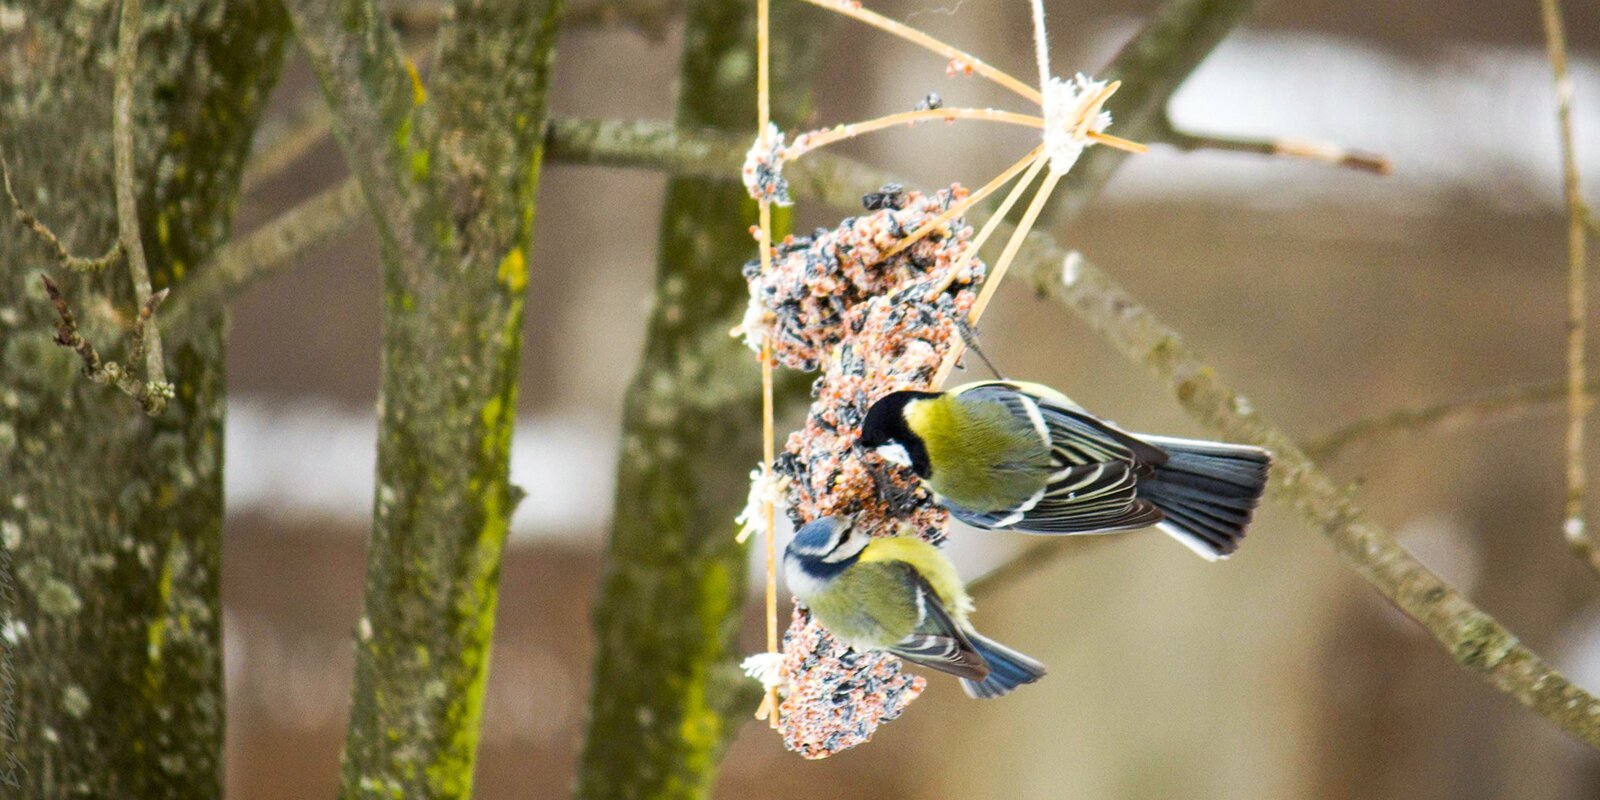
(1324, 295)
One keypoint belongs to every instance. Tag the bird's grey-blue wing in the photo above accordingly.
(938, 641)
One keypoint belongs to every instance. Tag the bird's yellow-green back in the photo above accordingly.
(981, 455)
(930, 563)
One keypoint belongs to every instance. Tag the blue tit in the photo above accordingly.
(901, 595)
(1021, 456)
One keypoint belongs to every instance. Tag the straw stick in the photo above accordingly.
(979, 66)
(989, 227)
(806, 142)
(769, 703)
(959, 208)
(992, 283)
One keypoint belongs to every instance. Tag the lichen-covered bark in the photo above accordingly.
(450, 173)
(111, 681)
(666, 688)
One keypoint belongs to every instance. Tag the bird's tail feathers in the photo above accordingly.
(1207, 491)
(1008, 669)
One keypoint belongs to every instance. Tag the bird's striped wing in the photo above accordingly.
(1095, 466)
(938, 641)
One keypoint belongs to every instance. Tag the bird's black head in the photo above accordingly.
(885, 430)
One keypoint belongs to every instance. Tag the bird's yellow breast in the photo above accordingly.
(928, 561)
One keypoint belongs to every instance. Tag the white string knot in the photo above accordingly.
(763, 168)
(765, 487)
(767, 668)
(1072, 110)
(753, 326)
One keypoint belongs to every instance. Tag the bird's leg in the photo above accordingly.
(969, 337)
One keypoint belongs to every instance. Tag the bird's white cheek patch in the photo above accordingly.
(895, 454)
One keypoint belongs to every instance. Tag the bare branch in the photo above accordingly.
(268, 249)
(282, 148)
(154, 401)
(1504, 404)
(1573, 527)
(1474, 639)
(1359, 160)
(149, 394)
(648, 18)
(65, 258)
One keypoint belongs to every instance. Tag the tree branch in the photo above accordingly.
(124, 377)
(1504, 404)
(1573, 528)
(65, 258)
(1474, 639)
(270, 248)
(153, 397)
(283, 146)
(1358, 160)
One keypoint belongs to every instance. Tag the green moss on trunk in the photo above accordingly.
(112, 520)
(450, 172)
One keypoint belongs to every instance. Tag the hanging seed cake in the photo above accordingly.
(831, 300)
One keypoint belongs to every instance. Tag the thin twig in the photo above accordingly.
(1573, 526)
(127, 63)
(65, 258)
(1323, 152)
(67, 331)
(97, 370)
(1500, 405)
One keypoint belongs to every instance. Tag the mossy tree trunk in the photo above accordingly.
(667, 691)
(450, 173)
(110, 521)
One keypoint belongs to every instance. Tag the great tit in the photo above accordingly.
(1021, 456)
(901, 595)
